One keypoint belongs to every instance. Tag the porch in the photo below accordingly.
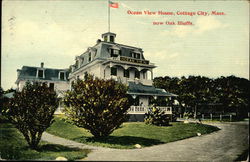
(144, 109)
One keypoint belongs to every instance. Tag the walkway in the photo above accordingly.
(223, 145)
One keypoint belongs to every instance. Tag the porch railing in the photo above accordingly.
(144, 109)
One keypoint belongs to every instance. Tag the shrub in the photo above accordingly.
(31, 111)
(97, 105)
(156, 117)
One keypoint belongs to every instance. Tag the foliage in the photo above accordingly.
(156, 117)
(97, 105)
(4, 100)
(222, 95)
(187, 115)
(31, 111)
(14, 147)
(131, 133)
(1, 99)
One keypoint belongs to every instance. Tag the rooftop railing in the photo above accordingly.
(131, 59)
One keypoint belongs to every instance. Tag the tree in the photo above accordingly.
(231, 92)
(97, 105)
(1, 99)
(31, 111)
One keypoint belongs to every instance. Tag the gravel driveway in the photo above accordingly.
(223, 145)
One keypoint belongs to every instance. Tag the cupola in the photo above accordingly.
(109, 37)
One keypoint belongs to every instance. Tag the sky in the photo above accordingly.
(55, 32)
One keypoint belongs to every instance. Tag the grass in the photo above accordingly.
(14, 147)
(131, 133)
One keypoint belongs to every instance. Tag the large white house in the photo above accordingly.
(127, 64)
(106, 59)
(56, 79)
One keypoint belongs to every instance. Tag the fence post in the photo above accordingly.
(202, 116)
(211, 116)
(180, 115)
(220, 117)
(230, 118)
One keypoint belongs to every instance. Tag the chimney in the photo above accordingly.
(42, 64)
(18, 72)
(98, 41)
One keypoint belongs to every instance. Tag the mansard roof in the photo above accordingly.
(101, 51)
(30, 72)
(140, 89)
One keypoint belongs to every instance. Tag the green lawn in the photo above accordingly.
(14, 147)
(131, 133)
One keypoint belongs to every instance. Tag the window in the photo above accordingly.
(111, 38)
(137, 74)
(138, 56)
(51, 85)
(114, 71)
(134, 55)
(40, 74)
(114, 52)
(130, 54)
(89, 57)
(126, 73)
(77, 64)
(82, 60)
(62, 75)
(105, 38)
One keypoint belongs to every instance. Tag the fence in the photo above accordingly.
(220, 117)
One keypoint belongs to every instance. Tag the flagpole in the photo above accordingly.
(108, 15)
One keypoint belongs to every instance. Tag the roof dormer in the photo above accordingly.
(40, 71)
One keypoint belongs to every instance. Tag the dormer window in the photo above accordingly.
(114, 52)
(135, 55)
(40, 74)
(77, 63)
(138, 56)
(62, 75)
(82, 60)
(89, 57)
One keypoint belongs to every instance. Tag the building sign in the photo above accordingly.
(134, 60)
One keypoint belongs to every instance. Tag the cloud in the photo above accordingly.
(182, 31)
(126, 6)
(174, 55)
(208, 23)
(201, 25)
(158, 56)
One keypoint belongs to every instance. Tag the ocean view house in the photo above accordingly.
(127, 64)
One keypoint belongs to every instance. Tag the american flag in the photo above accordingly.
(113, 4)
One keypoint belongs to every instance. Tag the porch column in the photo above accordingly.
(151, 74)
